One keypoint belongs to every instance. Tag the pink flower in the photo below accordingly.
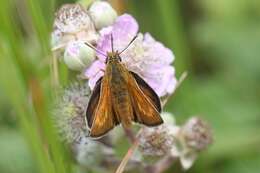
(146, 57)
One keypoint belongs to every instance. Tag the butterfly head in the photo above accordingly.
(113, 57)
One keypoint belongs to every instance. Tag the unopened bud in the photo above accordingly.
(78, 55)
(102, 14)
(197, 134)
(157, 141)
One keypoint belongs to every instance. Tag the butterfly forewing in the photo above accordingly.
(145, 110)
(148, 91)
(103, 116)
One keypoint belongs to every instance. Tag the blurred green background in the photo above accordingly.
(216, 41)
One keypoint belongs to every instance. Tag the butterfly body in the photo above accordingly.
(121, 96)
(121, 100)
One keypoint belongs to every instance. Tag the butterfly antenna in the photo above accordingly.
(128, 44)
(92, 47)
(112, 41)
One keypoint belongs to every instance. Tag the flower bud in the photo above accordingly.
(78, 55)
(102, 14)
(197, 134)
(69, 113)
(157, 141)
(194, 136)
(89, 153)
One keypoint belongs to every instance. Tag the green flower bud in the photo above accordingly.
(102, 14)
(78, 55)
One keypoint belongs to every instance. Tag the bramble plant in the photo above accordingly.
(74, 26)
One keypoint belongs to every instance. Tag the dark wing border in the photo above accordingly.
(148, 91)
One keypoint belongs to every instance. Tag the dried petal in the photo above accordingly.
(72, 23)
(72, 18)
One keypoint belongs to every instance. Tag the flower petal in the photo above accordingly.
(92, 81)
(161, 54)
(147, 57)
(95, 68)
(123, 30)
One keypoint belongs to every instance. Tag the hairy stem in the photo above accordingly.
(130, 134)
(129, 153)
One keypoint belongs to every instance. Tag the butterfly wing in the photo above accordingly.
(100, 116)
(148, 91)
(144, 103)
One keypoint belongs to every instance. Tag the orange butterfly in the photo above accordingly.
(121, 96)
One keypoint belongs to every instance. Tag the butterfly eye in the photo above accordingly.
(106, 60)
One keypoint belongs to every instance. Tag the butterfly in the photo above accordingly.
(121, 97)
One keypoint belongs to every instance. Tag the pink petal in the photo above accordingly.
(159, 79)
(158, 50)
(92, 81)
(95, 67)
(171, 85)
(123, 30)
